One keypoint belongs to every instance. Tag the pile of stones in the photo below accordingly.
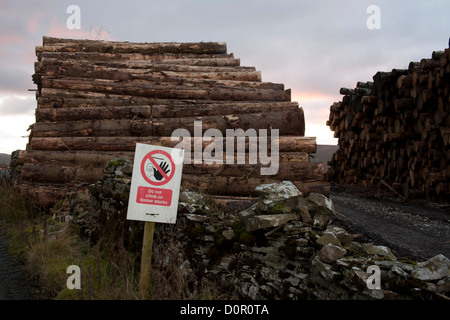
(283, 246)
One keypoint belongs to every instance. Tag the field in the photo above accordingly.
(324, 154)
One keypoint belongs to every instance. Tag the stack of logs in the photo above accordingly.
(396, 130)
(97, 99)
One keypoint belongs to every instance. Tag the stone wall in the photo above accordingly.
(283, 246)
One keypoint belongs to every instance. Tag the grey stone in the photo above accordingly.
(285, 193)
(250, 211)
(228, 234)
(362, 276)
(381, 251)
(399, 271)
(351, 261)
(320, 207)
(253, 292)
(330, 253)
(304, 213)
(328, 238)
(389, 264)
(324, 268)
(277, 191)
(268, 221)
(196, 217)
(344, 237)
(433, 269)
(302, 242)
(190, 197)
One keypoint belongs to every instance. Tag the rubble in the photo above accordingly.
(267, 251)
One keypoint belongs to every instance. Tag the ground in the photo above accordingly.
(414, 229)
(13, 283)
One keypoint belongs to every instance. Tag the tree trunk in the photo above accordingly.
(124, 144)
(158, 111)
(138, 59)
(96, 158)
(221, 185)
(125, 71)
(70, 45)
(90, 172)
(166, 91)
(287, 122)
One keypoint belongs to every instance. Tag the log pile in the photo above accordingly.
(97, 99)
(396, 130)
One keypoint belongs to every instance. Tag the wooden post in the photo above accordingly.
(146, 259)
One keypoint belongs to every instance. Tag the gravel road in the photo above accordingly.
(411, 229)
(13, 284)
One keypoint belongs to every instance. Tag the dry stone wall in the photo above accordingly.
(281, 246)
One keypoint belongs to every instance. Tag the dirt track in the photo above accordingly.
(13, 285)
(412, 229)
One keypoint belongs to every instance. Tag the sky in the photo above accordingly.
(313, 47)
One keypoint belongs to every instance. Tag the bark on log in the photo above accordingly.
(51, 173)
(89, 173)
(188, 59)
(44, 195)
(132, 70)
(165, 80)
(57, 98)
(144, 89)
(158, 111)
(287, 122)
(96, 158)
(220, 185)
(124, 144)
(72, 158)
(70, 45)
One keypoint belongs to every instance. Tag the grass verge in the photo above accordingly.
(46, 245)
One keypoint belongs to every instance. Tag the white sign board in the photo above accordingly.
(155, 184)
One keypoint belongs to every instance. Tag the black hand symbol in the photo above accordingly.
(164, 167)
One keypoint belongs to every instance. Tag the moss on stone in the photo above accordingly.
(278, 208)
(247, 238)
(115, 163)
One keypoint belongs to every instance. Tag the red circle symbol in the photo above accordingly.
(157, 167)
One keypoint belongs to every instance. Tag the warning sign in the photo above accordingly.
(157, 167)
(155, 184)
(162, 197)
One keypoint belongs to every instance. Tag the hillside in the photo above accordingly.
(5, 158)
(324, 154)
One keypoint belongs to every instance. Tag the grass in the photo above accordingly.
(46, 247)
(43, 241)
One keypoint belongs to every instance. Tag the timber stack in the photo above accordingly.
(395, 131)
(97, 99)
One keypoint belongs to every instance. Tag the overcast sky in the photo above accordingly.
(312, 47)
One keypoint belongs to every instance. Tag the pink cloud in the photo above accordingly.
(6, 39)
(316, 105)
(32, 24)
(310, 95)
